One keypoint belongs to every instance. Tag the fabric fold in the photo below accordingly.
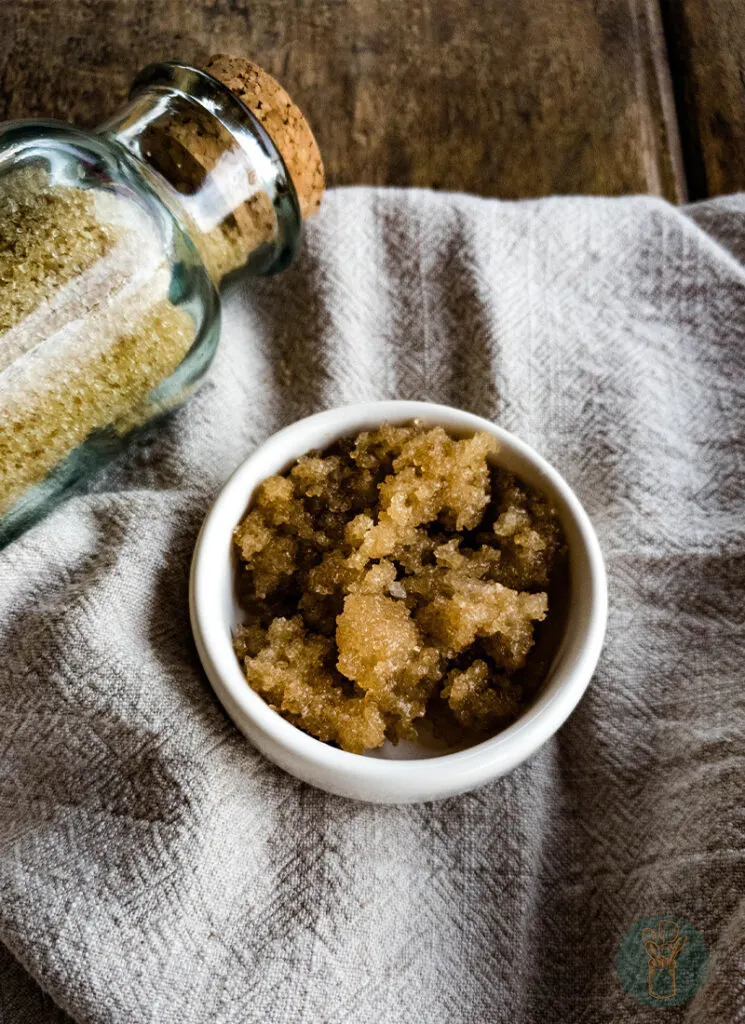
(155, 868)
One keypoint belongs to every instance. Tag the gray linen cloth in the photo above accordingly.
(154, 867)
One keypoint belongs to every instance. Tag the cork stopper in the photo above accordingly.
(282, 120)
(235, 219)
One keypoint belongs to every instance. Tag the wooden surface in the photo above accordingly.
(707, 56)
(501, 97)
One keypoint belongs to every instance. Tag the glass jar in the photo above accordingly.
(113, 245)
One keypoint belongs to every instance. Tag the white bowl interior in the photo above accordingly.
(219, 613)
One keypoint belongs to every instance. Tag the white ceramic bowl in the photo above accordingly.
(402, 774)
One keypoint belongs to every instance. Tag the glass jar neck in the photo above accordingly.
(216, 167)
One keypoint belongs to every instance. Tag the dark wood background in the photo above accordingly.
(502, 97)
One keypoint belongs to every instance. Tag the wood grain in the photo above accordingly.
(707, 54)
(518, 98)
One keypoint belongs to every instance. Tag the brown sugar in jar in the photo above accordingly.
(395, 579)
(114, 244)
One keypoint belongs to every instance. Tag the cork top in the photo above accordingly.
(185, 124)
(281, 119)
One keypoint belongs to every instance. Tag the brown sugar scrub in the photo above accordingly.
(396, 578)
